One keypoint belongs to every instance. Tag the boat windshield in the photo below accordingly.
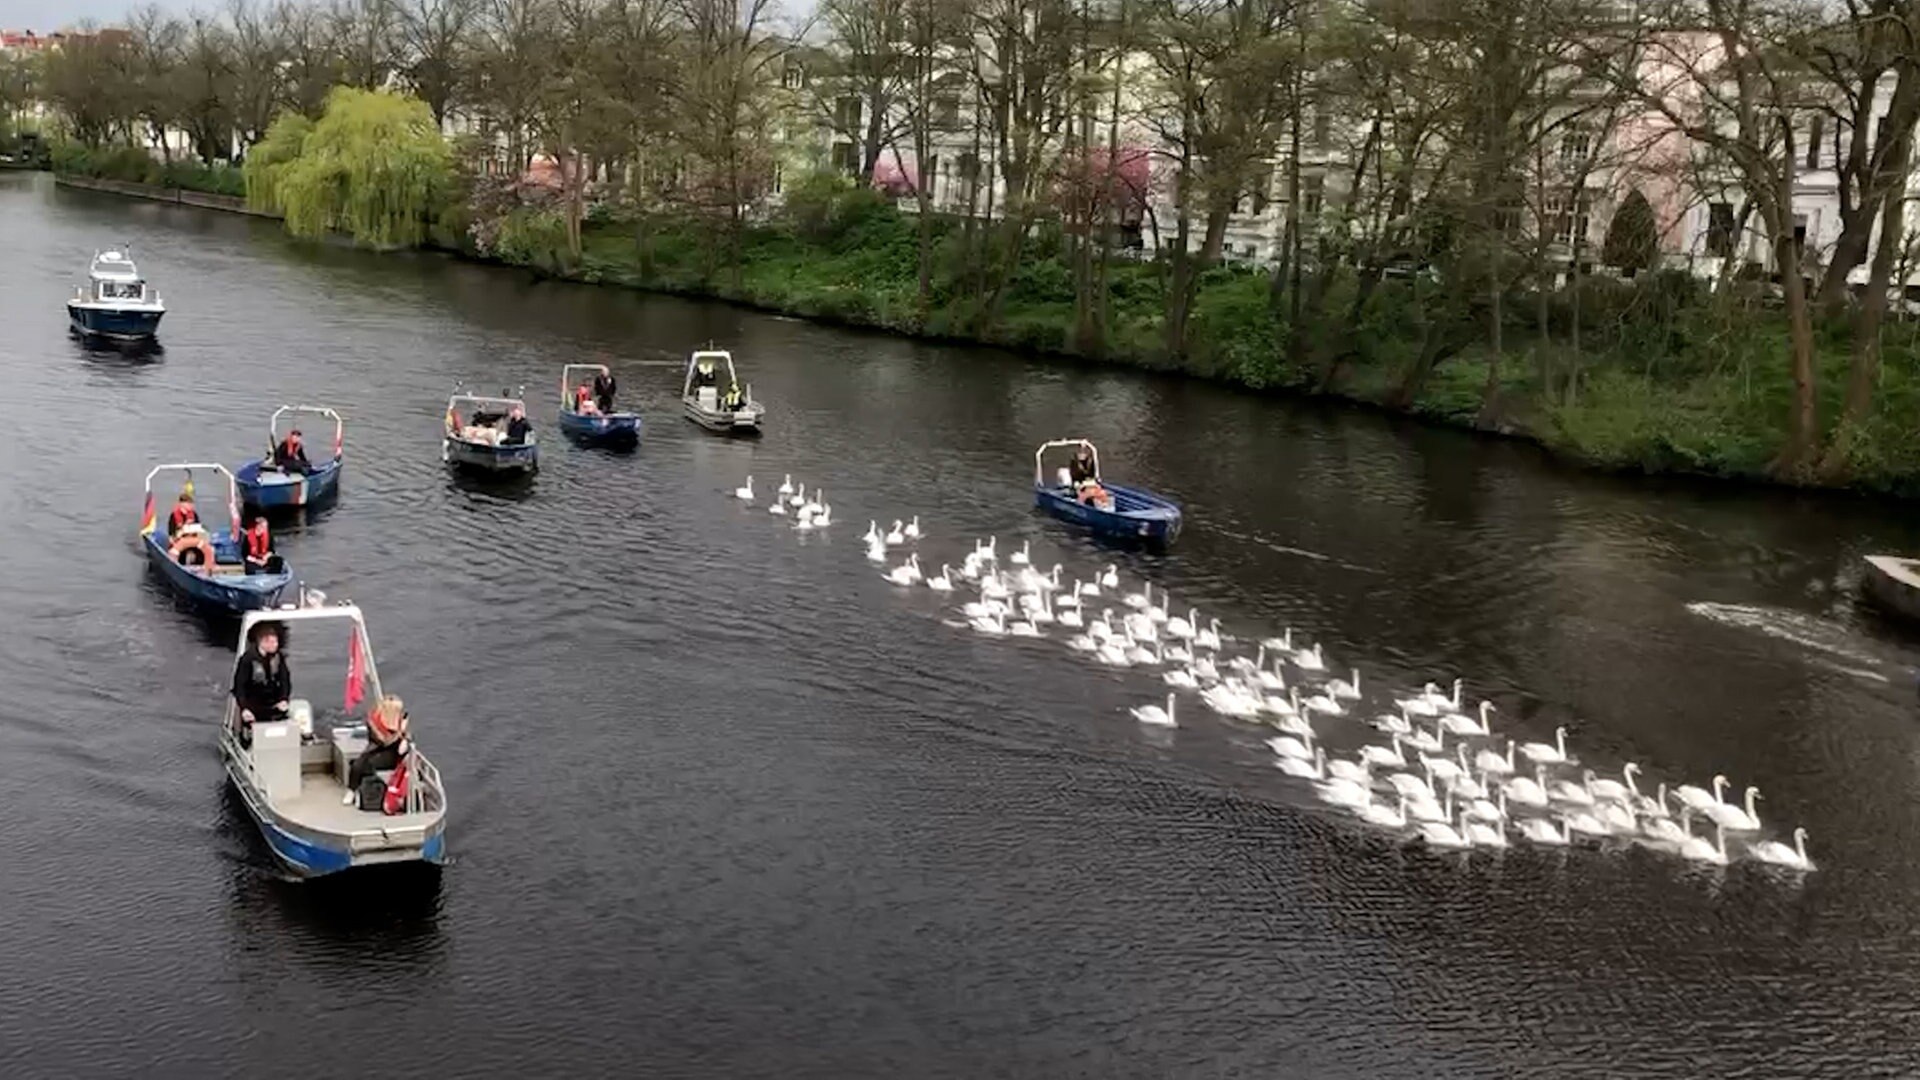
(122, 290)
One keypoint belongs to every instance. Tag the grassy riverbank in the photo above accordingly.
(1668, 376)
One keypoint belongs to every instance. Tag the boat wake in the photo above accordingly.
(1834, 646)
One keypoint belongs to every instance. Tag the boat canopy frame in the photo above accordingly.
(733, 376)
(462, 398)
(1039, 455)
(566, 381)
(325, 413)
(191, 467)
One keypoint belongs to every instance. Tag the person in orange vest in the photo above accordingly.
(386, 744)
(183, 513)
(192, 548)
(291, 455)
(583, 401)
(257, 545)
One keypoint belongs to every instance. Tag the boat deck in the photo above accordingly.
(318, 806)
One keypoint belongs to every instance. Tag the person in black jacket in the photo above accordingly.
(1081, 469)
(290, 456)
(261, 682)
(518, 428)
(603, 390)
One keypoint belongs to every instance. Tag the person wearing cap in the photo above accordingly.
(290, 456)
(183, 513)
(192, 547)
(261, 682)
(386, 744)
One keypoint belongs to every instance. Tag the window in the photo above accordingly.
(946, 112)
(969, 167)
(1720, 229)
(929, 175)
(846, 116)
(846, 158)
(1800, 231)
(1313, 195)
(1322, 128)
(776, 177)
(1814, 131)
(1575, 148)
(793, 76)
(1262, 185)
(1567, 217)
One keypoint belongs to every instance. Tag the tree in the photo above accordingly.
(437, 50)
(374, 166)
(1632, 241)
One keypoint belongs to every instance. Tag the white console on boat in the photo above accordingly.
(276, 759)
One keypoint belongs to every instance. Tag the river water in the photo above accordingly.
(727, 804)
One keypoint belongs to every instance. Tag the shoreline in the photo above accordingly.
(1559, 455)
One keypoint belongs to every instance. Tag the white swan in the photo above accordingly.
(1427, 743)
(1181, 678)
(876, 552)
(1420, 704)
(1141, 600)
(1387, 817)
(1733, 818)
(825, 517)
(812, 503)
(1655, 807)
(1411, 786)
(1461, 724)
(1310, 659)
(1384, 757)
(913, 528)
(906, 573)
(1617, 817)
(1664, 830)
(995, 625)
(1587, 824)
(1082, 643)
(1305, 770)
(1208, 638)
(1393, 725)
(1541, 831)
(1697, 848)
(1527, 790)
(1614, 790)
(1070, 618)
(799, 498)
(1441, 834)
(1110, 578)
(1024, 556)
(894, 536)
(943, 581)
(1321, 703)
(1041, 612)
(1466, 785)
(1204, 669)
(1482, 834)
(1498, 764)
(1288, 746)
(1545, 754)
(1442, 701)
(1779, 854)
(1567, 791)
(1179, 654)
(993, 588)
(1024, 628)
(1697, 798)
(1183, 629)
(803, 521)
(786, 484)
(1069, 599)
(1113, 653)
(1355, 771)
(1344, 793)
(1492, 812)
(778, 507)
(1348, 691)
(873, 532)
(744, 492)
(1446, 769)
(1428, 810)
(1287, 708)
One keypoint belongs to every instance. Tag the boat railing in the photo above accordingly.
(425, 781)
(1039, 467)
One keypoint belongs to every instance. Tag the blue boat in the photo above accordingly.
(223, 584)
(476, 435)
(115, 302)
(292, 774)
(265, 486)
(607, 429)
(1125, 514)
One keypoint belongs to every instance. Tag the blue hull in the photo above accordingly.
(524, 458)
(234, 593)
(611, 428)
(307, 858)
(121, 325)
(1137, 517)
(277, 490)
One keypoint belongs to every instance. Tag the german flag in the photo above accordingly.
(146, 517)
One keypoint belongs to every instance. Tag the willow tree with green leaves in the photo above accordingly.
(374, 166)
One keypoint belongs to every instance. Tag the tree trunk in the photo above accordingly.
(1863, 372)
(1803, 418)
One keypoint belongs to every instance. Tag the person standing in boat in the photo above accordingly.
(518, 427)
(291, 455)
(386, 744)
(703, 376)
(1081, 469)
(603, 390)
(183, 513)
(258, 545)
(261, 682)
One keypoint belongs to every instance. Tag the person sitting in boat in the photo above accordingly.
(258, 546)
(192, 547)
(519, 428)
(583, 402)
(703, 376)
(603, 391)
(290, 456)
(386, 744)
(261, 682)
(732, 400)
(183, 513)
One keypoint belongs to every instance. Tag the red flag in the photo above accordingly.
(146, 517)
(356, 673)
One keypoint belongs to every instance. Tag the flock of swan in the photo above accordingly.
(1440, 773)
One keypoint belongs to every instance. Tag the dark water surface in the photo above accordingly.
(726, 804)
